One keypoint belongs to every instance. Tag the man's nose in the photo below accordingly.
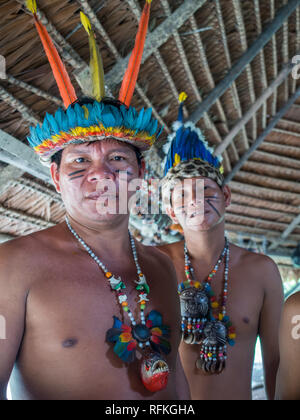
(100, 170)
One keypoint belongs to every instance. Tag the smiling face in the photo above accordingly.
(199, 205)
(91, 176)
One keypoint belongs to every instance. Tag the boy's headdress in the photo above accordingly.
(97, 120)
(188, 153)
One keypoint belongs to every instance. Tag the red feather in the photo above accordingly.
(132, 72)
(60, 73)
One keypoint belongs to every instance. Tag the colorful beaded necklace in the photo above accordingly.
(212, 332)
(150, 333)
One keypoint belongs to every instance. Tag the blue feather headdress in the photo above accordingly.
(91, 122)
(97, 120)
(188, 154)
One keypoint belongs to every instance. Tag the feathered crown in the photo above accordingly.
(98, 120)
(188, 154)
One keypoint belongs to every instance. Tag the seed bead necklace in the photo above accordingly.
(216, 331)
(197, 300)
(117, 284)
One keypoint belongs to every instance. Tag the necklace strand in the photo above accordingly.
(116, 283)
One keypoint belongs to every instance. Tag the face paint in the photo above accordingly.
(72, 177)
(75, 177)
(213, 207)
(76, 172)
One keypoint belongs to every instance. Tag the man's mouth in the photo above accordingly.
(96, 195)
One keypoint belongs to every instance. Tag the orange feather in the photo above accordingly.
(60, 73)
(132, 72)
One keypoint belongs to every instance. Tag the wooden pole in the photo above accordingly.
(261, 138)
(283, 14)
(249, 114)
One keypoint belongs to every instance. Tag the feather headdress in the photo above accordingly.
(97, 120)
(60, 73)
(188, 154)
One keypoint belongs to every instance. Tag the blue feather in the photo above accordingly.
(156, 318)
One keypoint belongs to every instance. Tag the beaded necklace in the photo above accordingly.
(212, 332)
(149, 333)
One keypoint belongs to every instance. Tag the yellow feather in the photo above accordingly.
(85, 22)
(31, 6)
(96, 65)
(182, 97)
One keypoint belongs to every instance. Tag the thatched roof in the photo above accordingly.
(192, 46)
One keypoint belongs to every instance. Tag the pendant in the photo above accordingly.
(194, 305)
(153, 336)
(213, 351)
(154, 372)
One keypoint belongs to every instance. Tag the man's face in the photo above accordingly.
(91, 177)
(198, 204)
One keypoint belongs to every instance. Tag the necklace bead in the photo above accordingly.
(116, 283)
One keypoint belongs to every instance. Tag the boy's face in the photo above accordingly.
(198, 204)
(89, 178)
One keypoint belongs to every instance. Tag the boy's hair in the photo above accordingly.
(106, 101)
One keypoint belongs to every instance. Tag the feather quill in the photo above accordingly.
(60, 73)
(96, 64)
(132, 72)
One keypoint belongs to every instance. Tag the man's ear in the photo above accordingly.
(227, 195)
(55, 176)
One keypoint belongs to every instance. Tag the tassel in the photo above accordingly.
(96, 64)
(132, 72)
(62, 78)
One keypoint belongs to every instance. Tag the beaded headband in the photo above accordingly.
(188, 153)
(99, 120)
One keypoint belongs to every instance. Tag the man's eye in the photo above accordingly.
(80, 160)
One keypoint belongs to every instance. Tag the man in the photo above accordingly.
(238, 297)
(288, 378)
(70, 294)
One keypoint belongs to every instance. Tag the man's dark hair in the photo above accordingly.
(84, 100)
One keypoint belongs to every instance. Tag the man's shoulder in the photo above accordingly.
(259, 268)
(19, 255)
(293, 303)
(256, 260)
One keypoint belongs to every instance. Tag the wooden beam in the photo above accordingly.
(261, 138)
(271, 194)
(7, 175)
(27, 114)
(14, 152)
(282, 14)
(286, 233)
(4, 237)
(254, 108)
(20, 216)
(158, 37)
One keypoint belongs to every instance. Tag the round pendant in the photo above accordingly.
(194, 303)
(141, 333)
(154, 372)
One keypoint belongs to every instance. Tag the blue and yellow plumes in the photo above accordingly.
(188, 144)
(93, 121)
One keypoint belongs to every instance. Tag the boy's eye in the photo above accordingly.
(118, 158)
